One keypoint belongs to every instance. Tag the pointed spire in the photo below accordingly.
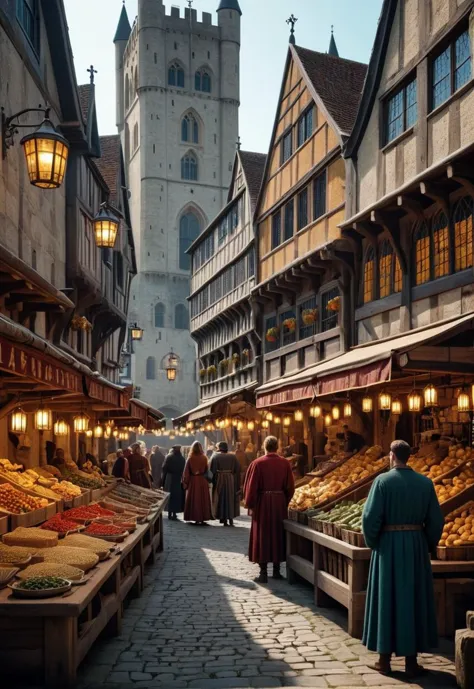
(332, 45)
(123, 28)
(230, 5)
(292, 21)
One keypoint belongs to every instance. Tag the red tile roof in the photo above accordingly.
(338, 82)
(109, 164)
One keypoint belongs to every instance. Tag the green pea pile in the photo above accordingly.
(42, 583)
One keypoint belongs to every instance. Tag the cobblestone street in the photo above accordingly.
(202, 622)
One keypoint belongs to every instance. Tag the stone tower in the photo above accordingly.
(177, 113)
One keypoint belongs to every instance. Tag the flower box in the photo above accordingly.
(309, 316)
(290, 324)
(334, 304)
(272, 334)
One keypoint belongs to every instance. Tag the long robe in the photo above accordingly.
(197, 507)
(171, 476)
(139, 470)
(157, 460)
(400, 615)
(269, 487)
(225, 469)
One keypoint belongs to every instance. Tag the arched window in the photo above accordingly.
(463, 235)
(440, 234)
(176, 75)
(135, 136)
(181, 319)
(202, 81)
(159, 315)
(190, 129)
(189, 229)
(189, 167)
(421, 240)
(369, 273)
(385, 268)
(150, 368)
(127, 92)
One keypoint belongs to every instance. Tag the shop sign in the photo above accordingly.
(100, 391)
(17, 360)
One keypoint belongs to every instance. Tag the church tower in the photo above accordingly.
(177, 113)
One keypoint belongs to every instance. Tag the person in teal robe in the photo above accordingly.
(400, 614)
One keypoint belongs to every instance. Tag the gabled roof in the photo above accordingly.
(123, 28)
(374, 74)
(338, 82)
(109, 165)
(229, 5)
(89, 117)
(253, 165)
(85, 92)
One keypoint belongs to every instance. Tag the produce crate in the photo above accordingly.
(302, 518)
(452, 472)
(4, 524)
(355, 538)
(455, 553)
(32, 518)
(458, 500)
(358, 490)
(315, 523)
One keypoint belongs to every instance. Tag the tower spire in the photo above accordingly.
(123, 27)
(292, 21)
(332, 45)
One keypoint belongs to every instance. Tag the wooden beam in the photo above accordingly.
(42, 307)
(393, 230)
(461, 174)
(411, 206)
(7, 287)
(437, 194)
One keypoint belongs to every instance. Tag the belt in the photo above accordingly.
(272, 492)
(225, 471)
(403, 527)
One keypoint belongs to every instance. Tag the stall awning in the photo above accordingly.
(99, 388)
(361, 367)
(136, 413)
(208, 407)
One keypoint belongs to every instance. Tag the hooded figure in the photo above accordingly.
(225, 470)
(171, 476)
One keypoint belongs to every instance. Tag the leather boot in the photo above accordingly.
(263, 576)
(276, 571)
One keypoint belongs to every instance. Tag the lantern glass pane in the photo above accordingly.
(18, 421)
(105, 233)
(396, 407)
(298, 415)
(385, 401)
(347, 410)
(287, 421)
(61, 428)
(335, 413)
(463, 402)
(43, 420)
(414, 402)
(328, 420)
(46, 162)
(251, 425)
(367, 404)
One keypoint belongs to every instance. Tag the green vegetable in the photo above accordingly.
(42, 583)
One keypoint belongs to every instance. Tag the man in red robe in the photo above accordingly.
(269, 487)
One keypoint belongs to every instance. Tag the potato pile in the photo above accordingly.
(459, 527)
(322, 489)
(439, 461)
(449, 487)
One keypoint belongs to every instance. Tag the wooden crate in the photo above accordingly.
(32, 518)
(293, 515)
(355, 538)
(458, 553)
(452, 472)
(458, 500)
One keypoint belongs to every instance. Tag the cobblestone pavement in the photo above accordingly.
(202, 622)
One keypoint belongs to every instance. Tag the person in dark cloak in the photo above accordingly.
(225, 470)
(171, 476)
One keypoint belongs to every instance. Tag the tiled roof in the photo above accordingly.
(338, 82)
(109, 164)
(84, 99)
(253, 165)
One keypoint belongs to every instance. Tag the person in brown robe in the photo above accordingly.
(197, 507)
(269, 487)
(225, 470)
(139, 468)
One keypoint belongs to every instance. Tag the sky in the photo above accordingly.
(92, 25)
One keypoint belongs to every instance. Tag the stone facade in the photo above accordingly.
(178, 173)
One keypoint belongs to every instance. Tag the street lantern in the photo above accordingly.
(396, 407)
(250, 425)
(431, 396)
(299, 415)
(277, 420)
(336, 414)
(385, 401)
(106, 226)
(414, 402)
(61, 428)
(328, 420)
(315, 411)
(269, 416)
(43, 419)
(347, 410)
(98, 431)
(287, 421)
(18, 421)
(172, 366)
(265, 424)
(136, 332)
(89, 433)
(81, 423)
(367, 405)
(464, 403)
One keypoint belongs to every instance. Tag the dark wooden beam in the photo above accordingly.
(437, 194)
(42, 307)
(463, 175)
(392, 228)
(411, 206)
(366, 230)
(7, 287)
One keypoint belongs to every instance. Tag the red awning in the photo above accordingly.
(363, 377)
(112, 395)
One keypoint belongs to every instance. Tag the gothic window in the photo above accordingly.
(189, 229)
(176, 75)
(440, 234)
(385, 269)
(135, 136)
(422, 254)
(189, 167)
(159, 315)
(202, 81)
(369, 272)
(190, 129)
(150, 368)
(463, 235)
(181, 318)
(127, 92)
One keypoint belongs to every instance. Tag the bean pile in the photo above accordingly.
(42, 583)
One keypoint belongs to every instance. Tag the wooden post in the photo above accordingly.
(60, 647)
(290, 575)
(357, 584)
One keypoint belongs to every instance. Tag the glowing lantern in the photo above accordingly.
(89, 433)
(98, 431)
(277, 420)
(335, 413)
(287, 421)
(430, 394)
(269, 416)
(385, 401)
(315, 411)
(81, 423)
(61, 428)
(328, 420)
(396, 407)
(43, 419)
(463, 402)
(414, 402)
(136, 333)
(265, 424)
(46, 154)
(250, 425)
(18, 421)
(299, 415)
(347, 411)
(367, 404)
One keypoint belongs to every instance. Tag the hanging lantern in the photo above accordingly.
(250, 425)
(81, 423)
(108, 431)
(136, 333)
(396, 407)
(287, 421)
(189, 426)
(172, 367)
(265, 424)
(367, 404)
(46, 153)
(414, 402)
(269, 416)
(235, 422)
(210, 427)
(182, 428)
(347, 410)
(430, 394)
(61, 428)
(18, 421)
(299, 415)
(106, 225)
(315, 411)
(116, 433)
(472, 394)
(43, 419)
(335, 412)
(328, 420)
(240, 426)
(172, 436)
(98, 431)
(277, 420)
(385, 401)
(89, 433)
(464, 403)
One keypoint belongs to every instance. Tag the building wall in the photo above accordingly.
(159, 197)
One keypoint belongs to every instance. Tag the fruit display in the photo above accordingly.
(347, 514)
(76, 557)
(40, 481)
(42, 583)
(60, 523)
(459, 527)
(33, 537)
(12, 554)
(66, 490)
(51, 569)
(450, 487)
(323, 489)
(16, 502)
(6, 465)
(439, 460)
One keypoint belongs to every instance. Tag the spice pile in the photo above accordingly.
(61, 524)
(95, 529)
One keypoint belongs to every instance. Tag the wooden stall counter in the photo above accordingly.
(340, 571)
(49, 638)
